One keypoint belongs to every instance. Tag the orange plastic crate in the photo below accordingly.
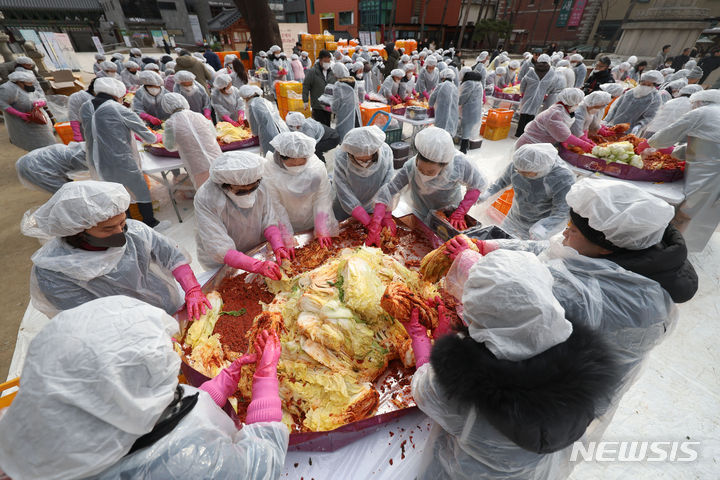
(504, 201)
(64, 131)
(496, 133)
(499, 117)
(6, 400)
(366, 113)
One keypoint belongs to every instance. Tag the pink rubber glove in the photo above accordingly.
(158, 138)
(230, 121)
(241, 117)
(288, 240)
(443, 327)
(361, 215)
(39, 103)
(415, 93)
(642, 146)
(274, 237)
(375, 226)
(585, 136)
(321, 224)
(241, 261)
(426, 95)
(150, 119)
(497, 90)
(418, 336)
(603, 131)
(225, 384)
(578, 142)
(455, 247)
(395, 100)
(367, 96)
(485, 246)
(667, 150)
(18, 113)
(195, 301)
(77, 131)
(457, 219)
(265, 405)
(389, 223)
(206, 112)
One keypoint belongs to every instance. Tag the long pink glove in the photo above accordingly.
(150, 119)
(77, 131)
(158, 138)
(274, 237)
(230, 120)
(457, 218)
(667, 150)
(603, 131)
(18, 113)
(585, 136)
(241, 261)
(426, 95)
(644, 145)
(224, 385)
(265, 405)
(455, 247)
(485, 246)
(241, 117)
(389, 223)
(375, 226)
(206, 112)
(443, 327)
(579, 142)
(497, 90)
(195, 301)
(39, 103)
(418, 336)
(361, 215)
(321, 231)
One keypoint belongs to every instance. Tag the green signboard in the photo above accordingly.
(564, 14)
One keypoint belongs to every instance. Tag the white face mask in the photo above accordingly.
(359, 76)
(676, 94)
(296, 170)
(243, 201)
(425, 178)
(409, 75)
(188, 89)
(110, 74)
(642, 91)
(325, 65)
(154, 91)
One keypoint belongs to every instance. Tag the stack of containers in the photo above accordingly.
(497, 123)
(368, 109)
(289, 98)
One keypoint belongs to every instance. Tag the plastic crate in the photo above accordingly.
(64, 131)
(368, 110)
(394, 135)
(496, 133)
(500, 208)
(6, 400)
(295, 104)
(283, 89)
(499, 117)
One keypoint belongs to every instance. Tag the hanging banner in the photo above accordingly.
(157, 36)
(32, 36)
(98, 45)
(577, 13)
(564, 13)
(195, 27)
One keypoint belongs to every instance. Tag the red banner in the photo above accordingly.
(576, 13)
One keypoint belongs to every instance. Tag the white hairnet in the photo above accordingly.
(409, 66)
(95, 379)
(108, 66)
(76, 207)
(544, 58)
(405, 58)
(151, 66)
(111, 86)
(624, 66)
(249, 90)
(171, 102)
(576, 57)
(447, 74)
(435, 144)
(340, 70)
(632, 60)
(431, 62)
(597, 99)
(99, 56)
(363, 141)
(294, 145)
(483, 55)
(221, 81)
(294, 57)
(304, 53)
(262, 54)
(148, 77)
(274, 49)
(135, 51)
(628, 216)
(696, 72)
(535, 157)
(22, 76)
(514, 65)
(652, 76)
(667, 71)
(118, 56)
(171, 66)
(358, 67)
(397, 72)
(184, 76)
(229, 59)
(527, 55)
(709, 96)
(571, 96)
(198, 55)
(237, 168)
(563, 63)
(294, 119)
(23, 60)
(510, 307)
(501, 70)
(677, 84)
(690, 89)
(131, 64)
(614, 89)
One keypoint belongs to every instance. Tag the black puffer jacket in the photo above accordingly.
(666, 263)
(544, 403)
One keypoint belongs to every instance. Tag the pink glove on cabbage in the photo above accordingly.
(578, 142)
(418, 336)
(225, 384)
(375, 226)
(39, 103)
(603, 131)
(241, 117)
(230, 121)
(206, 112)
(361, 215)
(457, 218)
(443, 326)
(158, 138)
(195, 301)
(274, 237)
(150, 119)
(265, 405)
(667, 150)
(241, 261)
(426, 95)
(389, 223)
(24, 116)
(77, 131)
(321, 229)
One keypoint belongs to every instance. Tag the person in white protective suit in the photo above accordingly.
(671, 111)
(566, 73)
(357, 71)
(588, 116)
(226, 100)
(108, 69)
(195, 94)
(192, 135)
(698, 215)
(94, 251)
(263, 117)
(101, 400)
(18, 98)
(512, 391)
(480, 63)
(407, 83)
(147, 102)
(325, 137)
(621, 72)
(538, 82)
(362, 166)
(509, 78)
(260, 60)
(638, 105)
(391, 86)
(75, 103)
(129, 75)
(671, 90)
(112, 153)
(428, 77)
(235, 213)
(540, 180)
(47, 168)
(99, 58)
(445, 101)
(345, 101)
(553, 125)
(434, 177)
(299, 181)
(470, 103)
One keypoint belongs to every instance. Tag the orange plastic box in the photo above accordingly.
(64, 131)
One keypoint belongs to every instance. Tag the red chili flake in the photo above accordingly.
(392, 434)
(310, 460)
(390, 464)
(296, 465)
(402, 449)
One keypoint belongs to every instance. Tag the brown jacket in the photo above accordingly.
(192, 64)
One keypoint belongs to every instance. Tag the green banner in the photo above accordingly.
(564, 14)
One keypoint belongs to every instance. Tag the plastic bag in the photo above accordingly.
(58, 106)
(37, 116)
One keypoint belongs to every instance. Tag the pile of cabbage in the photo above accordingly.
(621, 152)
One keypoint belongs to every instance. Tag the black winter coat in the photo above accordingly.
(596, 79)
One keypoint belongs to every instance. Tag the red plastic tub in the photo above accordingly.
(620, 170)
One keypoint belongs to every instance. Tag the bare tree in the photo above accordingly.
(424, 14)
(464, 23)
(264, 29)
(442, 24)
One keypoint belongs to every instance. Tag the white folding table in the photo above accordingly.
(417, 125)
(154, 164)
